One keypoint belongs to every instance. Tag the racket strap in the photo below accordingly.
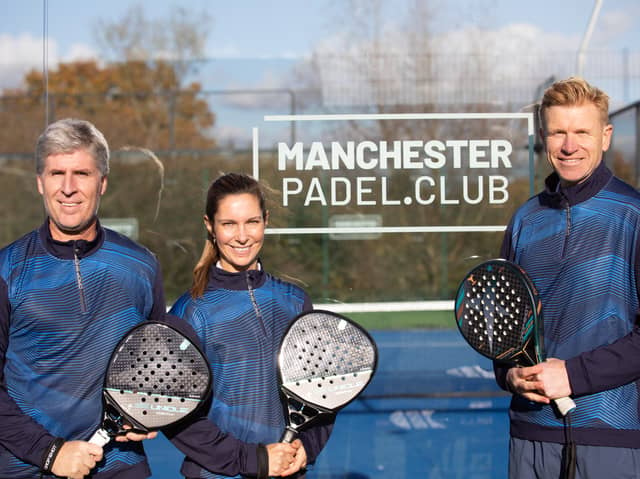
(568, 466)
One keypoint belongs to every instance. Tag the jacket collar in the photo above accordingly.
(557, 196)
(219, 278)
(66, 249)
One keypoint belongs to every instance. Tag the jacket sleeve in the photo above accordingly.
(606, 367)
(19, 433)
(315, 438)
(611, 365)
(204, 443)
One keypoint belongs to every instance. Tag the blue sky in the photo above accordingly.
(286, 31)
(292, 28)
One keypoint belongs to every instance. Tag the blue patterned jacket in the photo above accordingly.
(580, 246)
(240, 319)
(63, 309)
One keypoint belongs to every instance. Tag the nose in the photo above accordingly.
(242, 235)
(569, 145)
(68, 184)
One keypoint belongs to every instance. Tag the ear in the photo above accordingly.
(606, 137)
(103, 185)
(208, 225)
(266, 217)
(40, 185)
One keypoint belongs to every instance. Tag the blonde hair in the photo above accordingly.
(574, 91)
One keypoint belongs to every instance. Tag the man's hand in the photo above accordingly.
(540, 383)
(76, 459)
(525, 382)
(554, 379)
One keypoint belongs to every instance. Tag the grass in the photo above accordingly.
(405, 319)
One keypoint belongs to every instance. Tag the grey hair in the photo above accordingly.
(70, 135)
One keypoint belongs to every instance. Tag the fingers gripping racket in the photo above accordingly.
(499, 313)
(325, 361)
(156, 377)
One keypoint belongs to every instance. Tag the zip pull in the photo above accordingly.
(76, 263)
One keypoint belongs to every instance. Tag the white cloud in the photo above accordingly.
(22, 53)
(18, 55)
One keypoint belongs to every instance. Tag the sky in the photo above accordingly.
(292, 28)
(286, 31)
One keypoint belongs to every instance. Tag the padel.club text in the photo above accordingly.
(368, 190)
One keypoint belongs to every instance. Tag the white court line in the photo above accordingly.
(387, 306)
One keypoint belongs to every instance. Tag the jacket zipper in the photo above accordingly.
(76, 262)
(567, 230)
(254, 303)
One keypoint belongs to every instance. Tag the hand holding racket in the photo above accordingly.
(324, 363)
(499, 314)
(156, 377)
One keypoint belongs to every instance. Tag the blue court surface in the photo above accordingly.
(432, 411)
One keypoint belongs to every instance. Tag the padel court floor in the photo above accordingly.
(432, 411)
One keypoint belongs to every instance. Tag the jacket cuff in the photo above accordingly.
(50, 454)
(263, 462)
(578, 379)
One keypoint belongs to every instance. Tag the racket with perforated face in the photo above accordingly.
(156, 377)
(499, 314)
(325, 361)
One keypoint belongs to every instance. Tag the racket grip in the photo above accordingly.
(565, 405)
(100, 437)
(288, 435)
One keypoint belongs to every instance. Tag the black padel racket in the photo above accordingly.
(325, 361)
(156, 377)
(499, 313)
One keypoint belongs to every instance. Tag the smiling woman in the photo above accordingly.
(241, 312)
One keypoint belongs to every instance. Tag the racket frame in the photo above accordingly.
(114, 414)
(300, 413)
(532, 350)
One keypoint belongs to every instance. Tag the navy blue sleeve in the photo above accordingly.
(19, 433)
(606, 367)
(316, 437)
(204, 443)
(612, 365)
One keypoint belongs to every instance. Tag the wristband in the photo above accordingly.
(263, 462)
(50, 455)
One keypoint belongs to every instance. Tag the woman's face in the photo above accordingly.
(238, 228)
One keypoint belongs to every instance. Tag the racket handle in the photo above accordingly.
(565, 405)
(100, 437)
(289, 435)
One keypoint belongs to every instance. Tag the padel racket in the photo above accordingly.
(156, 377)
(325, 361)
(499, 313)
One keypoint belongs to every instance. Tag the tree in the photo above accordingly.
(133, 103)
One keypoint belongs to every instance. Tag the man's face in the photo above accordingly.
(71, 186)
(575, 138)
